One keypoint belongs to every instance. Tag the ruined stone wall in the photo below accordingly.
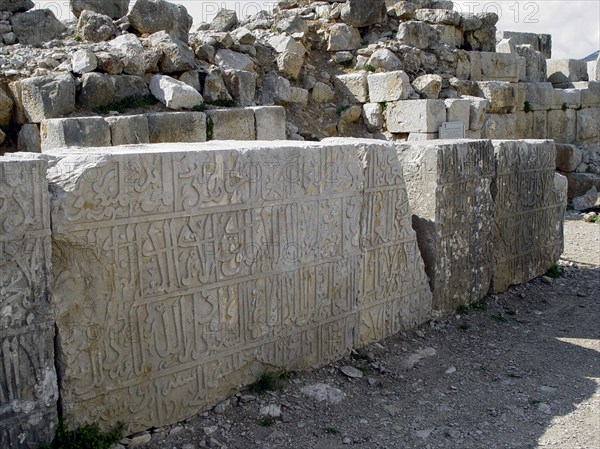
(28, 388)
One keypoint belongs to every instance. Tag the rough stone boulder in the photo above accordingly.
(417, 34)
(428, 86)
(225, 20)
(95, 27)
(343, 37)
(100, 89)
(16, 5)
(151, 16)
(43, 97)
(6, 109)
(36, 27)
(115, 9)
(361, 13)
(176, 55)
(173, 93)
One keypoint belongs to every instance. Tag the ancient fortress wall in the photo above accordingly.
(182, 272)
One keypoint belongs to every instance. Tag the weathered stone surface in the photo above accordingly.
(481, 35)
(28, 386)
(94, 27)
(568, 157)
(539, 96)
(225, 20)
(566, 70)
(539, 42)
(373, 116)
(43, 97)
(590, 93)
(177, 127)
(562, 126)
(588, 130)
(241, 85)
(74, 132)
(233, 60)
(100, 89)
(343, 37)
(415, 116)
(176, 55)
(128, 129)
(500, 126)
(36, 27)
(232, 124)
(173, 93)
(275, 90)
(115, 9)
(382, 58)
(458, 110)
(535, 64)
(590, 200)
(428, 86)
(214, 88)
(151, 16)
(450, 35)
(204, 285)
(594, 69)
(488, 66)
(6, 109)
(16, 5)
(438, 16)
(389, 86)
(580, 183)
(417, 34)
(449, 186)
(354, 86)
(500, 94)
(479, 107)
(322, 92)
(530, 200)
(359, 13)
(283, 43)
(29, 139)
(269, 122)
(290, 64)
(83, 61)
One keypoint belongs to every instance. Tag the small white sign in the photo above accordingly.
(452, 130)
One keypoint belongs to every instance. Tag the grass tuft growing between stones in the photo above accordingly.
(86, 437)
(127, 104)
(555, 272)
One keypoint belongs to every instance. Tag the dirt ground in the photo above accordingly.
(521, 371)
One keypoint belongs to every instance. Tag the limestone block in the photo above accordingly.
(570, 98)
(321, 92)
(539, 96)
(28, 384)
(539, 42)
(282, 42)
(415, 116)
(242, 86)
(505, 46)
(43, 97)
(588, 129)
(128, 129)
(458, 110)
(298, 95)
(566, 70)
(535, 64)
(428, 86)
(359, 13)
(232, 60)
(354, 86)
(420, 137)
(115, 9)
(540, 125)
(450, 35)
(385, 59)
(74, 132)
(479, 107)
(29, 138)
(100, 89)
(501, 95)
(177, 127)
(488, 66)
(449, 188)
(530, 204)
(590, 93)
(343, 37)
(151, 16)
(562, 126)
(438, 16)
(500, 126)
(36, 27)
(469, 134)
(93, 27)
(16, 5)
(173, 93)
(523, 125)
(594, 69)
(232, 124)
(175, 56)
(275, 90)
(373, 116)
(389, 86)
(417, 34)
(590, 200)
(231, 259)
(568, 157)
(270, 122)
(290, 64)
(581, 183)
(84, 61)
(6, 109)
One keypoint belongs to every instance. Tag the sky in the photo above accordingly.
(573, 24)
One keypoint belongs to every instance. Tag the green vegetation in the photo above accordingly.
(499, 318)
(368, 68)
(596, 219)
(464, 326)
(365, 370)
(270, 382)
(210, 128)
(527, 107)
(555, 272)
(199, 107)
(331, 431)
(86, 437)
(346, 64)
(126, 104)
(463, 309)
(564, 107)
(342, 108)
(267, 421)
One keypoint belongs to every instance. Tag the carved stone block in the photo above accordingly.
(530, 206)
(449, 186)
(28, 389)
